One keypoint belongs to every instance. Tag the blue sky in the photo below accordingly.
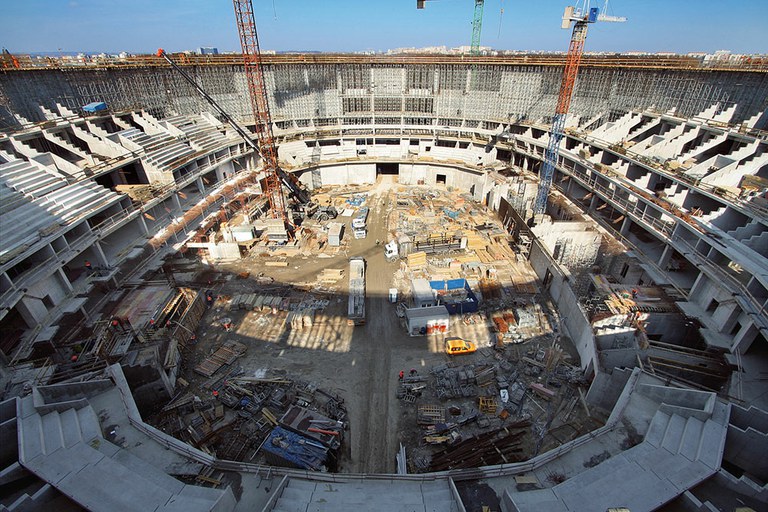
(141, 26)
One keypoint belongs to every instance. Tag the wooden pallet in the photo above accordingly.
(224, 356)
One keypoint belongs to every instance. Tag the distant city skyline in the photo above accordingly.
(141, 26)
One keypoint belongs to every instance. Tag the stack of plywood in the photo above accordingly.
(301, 318)
(475, 241)
(331, 275)
(417, 259)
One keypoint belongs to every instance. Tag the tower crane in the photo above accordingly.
(582, 17)
(477, 24)
(254, 73)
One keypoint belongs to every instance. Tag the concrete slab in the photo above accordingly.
(688, 475)
(107, 486)
(59, 465)
(160, 479)
(534, 501)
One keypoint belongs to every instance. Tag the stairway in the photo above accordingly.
(66, 449)
(677, 454)
(368, 495)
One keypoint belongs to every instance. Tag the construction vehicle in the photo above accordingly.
(301, 205)
(356, 307)
(455, 346)
(310, 210)
(391, 252)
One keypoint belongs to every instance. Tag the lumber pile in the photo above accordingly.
(224, 356)
(417, 259)
(330, 275)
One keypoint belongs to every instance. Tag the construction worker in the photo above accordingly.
(413, 372)
(402, 374)
(88, 266)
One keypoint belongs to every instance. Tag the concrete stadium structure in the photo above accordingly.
(655, 157)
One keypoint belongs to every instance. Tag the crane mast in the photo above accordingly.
(254, 73)
(582, 18)
(477, 25)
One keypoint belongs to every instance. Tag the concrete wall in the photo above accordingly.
(571, 314)
(747, 441)
(348, 174)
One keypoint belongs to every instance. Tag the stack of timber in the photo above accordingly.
(224, 356)
(417, 260)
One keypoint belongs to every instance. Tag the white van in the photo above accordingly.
(360, 233)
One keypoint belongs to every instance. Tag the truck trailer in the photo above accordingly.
(356, 309)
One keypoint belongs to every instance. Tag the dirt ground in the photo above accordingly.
(361, 364)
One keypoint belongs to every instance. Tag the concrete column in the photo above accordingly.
(701, 280)
(143, 224)
(177, 201)
(665, 256)
(64, 280)
(593, 201)
(744, 339)
(568, 188)
(100, 254)
(626, 225)
(200, 185)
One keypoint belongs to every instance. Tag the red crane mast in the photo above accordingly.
(254, 72)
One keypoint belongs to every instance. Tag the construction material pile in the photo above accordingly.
(275, 421)
(498, 407)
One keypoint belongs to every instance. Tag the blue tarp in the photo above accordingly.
(289, 449)
(462, 300)
(96, 106)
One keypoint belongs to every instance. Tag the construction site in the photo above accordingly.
(315, 282)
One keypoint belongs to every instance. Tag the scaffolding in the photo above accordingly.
(328, 90)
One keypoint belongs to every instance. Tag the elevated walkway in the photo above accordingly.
(369, 495)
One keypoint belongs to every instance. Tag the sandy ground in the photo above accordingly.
(361, 363)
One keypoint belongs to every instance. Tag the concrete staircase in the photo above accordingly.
(65, 448)
(202, 135)
(368, 495)
(677, 454)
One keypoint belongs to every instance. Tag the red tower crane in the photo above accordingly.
(582, 17)
(254, 72)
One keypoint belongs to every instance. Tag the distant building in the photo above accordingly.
(208, 50)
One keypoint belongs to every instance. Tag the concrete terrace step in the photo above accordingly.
(89, 424)
(689, 446)
(710, 450)
(70, 427)
(53, 437)
(658, 427)
(674, 433)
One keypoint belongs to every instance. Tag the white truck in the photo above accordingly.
(391, 252)
(359, 221)
(356, 308)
